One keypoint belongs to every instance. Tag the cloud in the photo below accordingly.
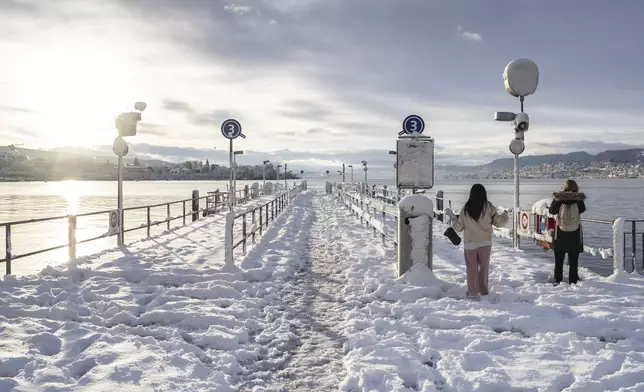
(13, 109)
(305, 74)
(214, 117)
(237, 9)
(175, 105)
(468, 35)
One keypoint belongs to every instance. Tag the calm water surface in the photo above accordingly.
(607, 199)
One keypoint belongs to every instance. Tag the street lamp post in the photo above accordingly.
(126, 125)
(264, 172)
(366, 184)
(521, 78)
(351, 167)
(278, 173)
(285, 176)
(234, 187)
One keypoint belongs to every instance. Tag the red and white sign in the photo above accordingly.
(524, 220)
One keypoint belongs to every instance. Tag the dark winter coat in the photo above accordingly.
(568, 241)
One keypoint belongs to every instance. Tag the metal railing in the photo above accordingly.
(391, 197)
(215, 201)
(263, 214)
(368, 214)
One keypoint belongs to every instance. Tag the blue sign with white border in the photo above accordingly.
(232, 129)
(413, 124)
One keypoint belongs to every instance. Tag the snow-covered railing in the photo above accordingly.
(191, 207)
(372, 212)
(261, 216)
(376, 202)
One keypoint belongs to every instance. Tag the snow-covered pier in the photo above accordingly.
(314, 304)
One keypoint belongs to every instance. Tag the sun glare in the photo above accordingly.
(71, 192)
(76, 87)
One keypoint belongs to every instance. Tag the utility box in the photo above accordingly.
(415, 162)
(415, 223)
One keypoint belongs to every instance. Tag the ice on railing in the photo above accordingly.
(503, 232)
(603, 252)
(541, 207)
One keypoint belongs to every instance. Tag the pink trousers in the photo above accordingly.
(477, 263)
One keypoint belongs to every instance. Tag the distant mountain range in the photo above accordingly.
(103, 154)
(85, 154)
(635, 155)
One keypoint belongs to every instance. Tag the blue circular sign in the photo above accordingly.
(413, 124)
(231, 129)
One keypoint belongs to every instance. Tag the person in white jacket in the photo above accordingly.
(476, 221)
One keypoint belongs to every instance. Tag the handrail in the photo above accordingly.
(612, 251)
(381, 228)
(258, 213)
(215, 201)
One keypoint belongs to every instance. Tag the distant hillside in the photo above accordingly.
(66, 154)
(635, 155)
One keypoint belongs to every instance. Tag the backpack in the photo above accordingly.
(568, 218)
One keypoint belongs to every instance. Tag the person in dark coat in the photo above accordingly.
(567, 206)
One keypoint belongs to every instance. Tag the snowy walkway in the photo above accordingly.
(315, 306)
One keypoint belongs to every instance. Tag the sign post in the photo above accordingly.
(231, 129)
(414, 170)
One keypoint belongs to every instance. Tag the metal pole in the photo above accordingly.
(515, 223)
(234, 181)
(285, 175)
(264, 176)
(343, 171)
(351, 174)
(230, 188)
(120, 239)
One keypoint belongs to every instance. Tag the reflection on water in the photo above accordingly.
(71, 192)
(607, 199)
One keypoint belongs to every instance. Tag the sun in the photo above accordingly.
(76, 88)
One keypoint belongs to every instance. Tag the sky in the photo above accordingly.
(316, 82)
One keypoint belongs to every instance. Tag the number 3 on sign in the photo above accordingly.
(231, 129)
(413, 124)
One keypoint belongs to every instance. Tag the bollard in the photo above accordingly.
(414, 232)
(439, 205)
(195, 205)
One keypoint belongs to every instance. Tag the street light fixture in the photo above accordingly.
(264, 172)
(126, 125)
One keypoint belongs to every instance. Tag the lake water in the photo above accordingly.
(607, 199)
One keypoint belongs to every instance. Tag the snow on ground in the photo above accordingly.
(158, 315)
(315, 305)
(526, 336)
